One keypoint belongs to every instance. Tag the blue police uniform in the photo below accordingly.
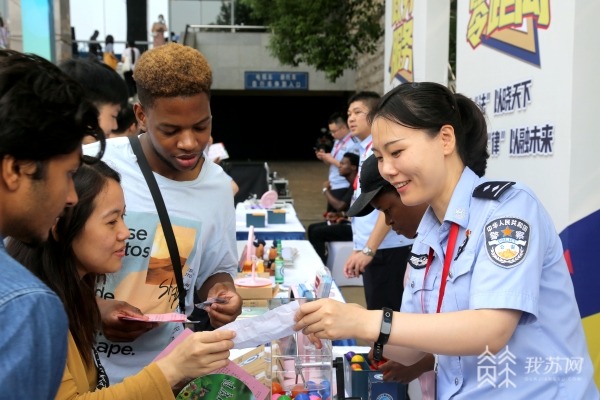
(339, 184)
(507, 256)
(342, 146)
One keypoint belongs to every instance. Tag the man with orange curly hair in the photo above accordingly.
(174, 116)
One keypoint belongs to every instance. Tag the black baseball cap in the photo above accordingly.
(371, 183)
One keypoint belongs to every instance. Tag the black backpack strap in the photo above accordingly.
(163, 215)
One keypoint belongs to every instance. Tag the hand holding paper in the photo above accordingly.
(274, 324)
(195, 354)
(217, 151)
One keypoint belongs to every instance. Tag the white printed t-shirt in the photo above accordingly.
(202, 214)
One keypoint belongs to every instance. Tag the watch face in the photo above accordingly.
(386, 327)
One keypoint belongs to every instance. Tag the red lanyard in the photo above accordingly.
(355, 184)
(340, 144)
(447, 260)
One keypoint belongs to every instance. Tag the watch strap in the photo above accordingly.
(384, 333)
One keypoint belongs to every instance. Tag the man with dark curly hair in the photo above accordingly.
(173, 112)
(43, 118)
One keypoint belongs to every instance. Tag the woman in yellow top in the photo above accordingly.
(85, 243)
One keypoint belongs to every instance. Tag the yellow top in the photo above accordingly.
(79, 382)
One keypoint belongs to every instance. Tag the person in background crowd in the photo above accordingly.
(109, 56)
(94, 47)
(109, 44)
(336, 227)
(174, 115)
(343, 143)
(158, 31)
(488, 278)
(74, 46)
(104, 88)
(234, 186)
(86, 242)
(44, 116)
(129, 58)
(126, 123)
(4, 35)
(376, 248)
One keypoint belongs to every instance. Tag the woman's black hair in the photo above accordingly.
(429, 106)
(55, 264)
(103, 84)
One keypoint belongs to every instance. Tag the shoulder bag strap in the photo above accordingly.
(164, 217)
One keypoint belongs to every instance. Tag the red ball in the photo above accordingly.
(277, 388)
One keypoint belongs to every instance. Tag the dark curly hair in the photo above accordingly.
(43, 112)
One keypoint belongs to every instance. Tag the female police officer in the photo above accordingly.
(489, 290)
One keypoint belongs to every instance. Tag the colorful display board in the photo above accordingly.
(532, 66)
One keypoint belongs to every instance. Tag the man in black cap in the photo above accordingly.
(379, 194)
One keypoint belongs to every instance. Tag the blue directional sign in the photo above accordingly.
(275, 80)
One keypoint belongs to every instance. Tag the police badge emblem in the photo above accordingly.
(506, 241)
(417, 261)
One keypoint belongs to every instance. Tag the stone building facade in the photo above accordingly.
(369, 73)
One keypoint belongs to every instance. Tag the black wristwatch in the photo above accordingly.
(384, 333)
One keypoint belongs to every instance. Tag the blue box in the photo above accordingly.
(356, 382)
(257, 219)
(378, 389)
(276, 216)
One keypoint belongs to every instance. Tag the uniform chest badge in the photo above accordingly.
(417, 261)
(506, 241)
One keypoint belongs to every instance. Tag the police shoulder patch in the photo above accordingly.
(417, 261)
(506, 241)
(491, 190)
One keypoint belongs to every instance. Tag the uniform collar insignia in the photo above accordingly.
(491, 190)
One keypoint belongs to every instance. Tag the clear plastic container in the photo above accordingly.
(298, 368)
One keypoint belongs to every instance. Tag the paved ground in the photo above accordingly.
(305, 183)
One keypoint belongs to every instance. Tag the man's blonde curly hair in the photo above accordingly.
(171, 70)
